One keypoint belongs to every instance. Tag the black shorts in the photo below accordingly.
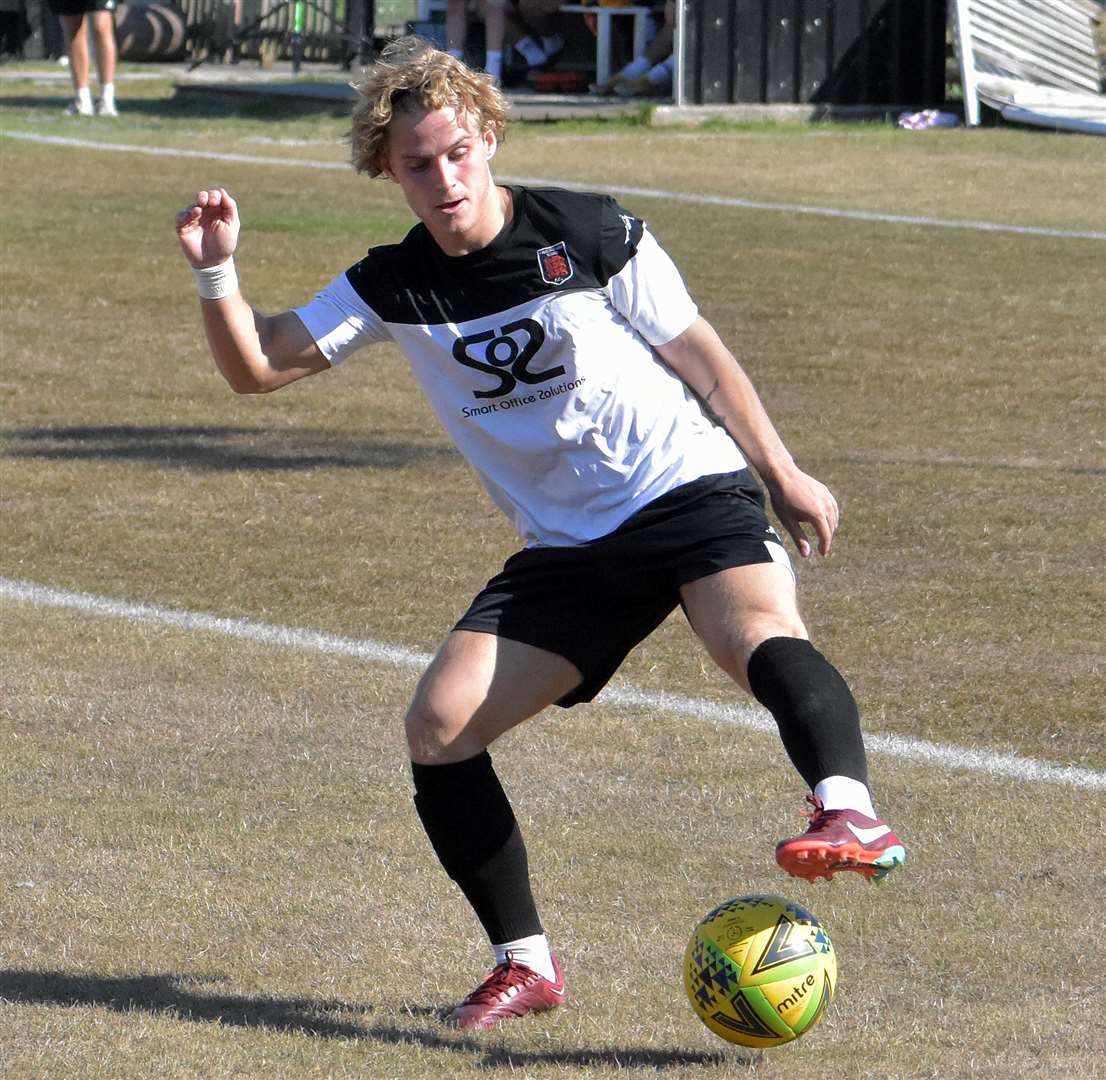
(81, 7)
(593, 603)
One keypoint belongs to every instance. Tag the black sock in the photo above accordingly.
(475, 835)
(813, 707)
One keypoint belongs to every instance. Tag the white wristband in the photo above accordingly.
(215, 282)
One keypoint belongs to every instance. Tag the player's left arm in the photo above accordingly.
(699, 357)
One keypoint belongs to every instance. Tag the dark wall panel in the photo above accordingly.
(751, 37)
(716, 50)
(815, 55)
(844, 52)
(782, 85)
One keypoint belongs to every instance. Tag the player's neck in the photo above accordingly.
(495, 215)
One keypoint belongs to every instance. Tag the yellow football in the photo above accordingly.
(760, 970)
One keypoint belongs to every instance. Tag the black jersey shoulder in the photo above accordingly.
(557, 241)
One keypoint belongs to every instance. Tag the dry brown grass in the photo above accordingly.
(228, 880)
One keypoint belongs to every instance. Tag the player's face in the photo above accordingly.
(440, 160)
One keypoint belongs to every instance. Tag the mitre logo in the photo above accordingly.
(554, 264)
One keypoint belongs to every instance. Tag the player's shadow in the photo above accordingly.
(185, 998)
(218, 449)
(173, 994)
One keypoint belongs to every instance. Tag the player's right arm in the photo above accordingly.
(255, 353)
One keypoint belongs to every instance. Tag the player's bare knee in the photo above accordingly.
(731, 646)
(755, 633)
(760, 630)
(430, 728)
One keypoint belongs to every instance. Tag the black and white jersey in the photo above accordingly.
(535, 353)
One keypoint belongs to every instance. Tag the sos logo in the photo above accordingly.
(505, 354)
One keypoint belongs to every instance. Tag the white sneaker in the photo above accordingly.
(552, 45)
(106, 108)
(530, 51)
(78, 107)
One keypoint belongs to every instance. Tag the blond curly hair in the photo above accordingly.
(412, 74)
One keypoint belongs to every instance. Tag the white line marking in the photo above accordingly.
(264, 633)
(818, 211)
(577, 185)
(164, 151)
(944, 755)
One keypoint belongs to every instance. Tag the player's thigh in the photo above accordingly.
(539, 11)
(72, 23)
(539, 7)
(477, 687)
(734, 610)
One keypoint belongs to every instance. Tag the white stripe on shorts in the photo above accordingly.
(779, 555)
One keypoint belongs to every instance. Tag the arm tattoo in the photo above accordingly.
(711, 413)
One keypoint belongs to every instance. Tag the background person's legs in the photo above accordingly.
(649, 74)
(103, 32)
(456, 27)
(495, 29)
(495, 33)
(76, 27)
(664, 39)
(76, 46)
(540, 41)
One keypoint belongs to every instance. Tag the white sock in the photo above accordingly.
(107, 93)
(84, 96)
(532, 951)
(530, 51)
(635, 68)
(493, 63)
(661, 74)
(844, 793)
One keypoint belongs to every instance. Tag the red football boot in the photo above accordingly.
(841, 840)
(511, 990)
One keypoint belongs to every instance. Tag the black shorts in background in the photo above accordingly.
(81, 7)
(594, 602)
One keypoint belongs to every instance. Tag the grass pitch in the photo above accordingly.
(210, 866)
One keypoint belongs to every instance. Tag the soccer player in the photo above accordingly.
(561, 351)
(76, 17)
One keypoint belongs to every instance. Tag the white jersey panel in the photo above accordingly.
(651, 295)
(340, 321)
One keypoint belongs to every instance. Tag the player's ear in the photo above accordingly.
(491, 143)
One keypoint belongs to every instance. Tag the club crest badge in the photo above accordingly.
(554, 264)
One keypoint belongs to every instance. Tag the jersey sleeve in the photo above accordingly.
(644, 284)
(340, 321)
